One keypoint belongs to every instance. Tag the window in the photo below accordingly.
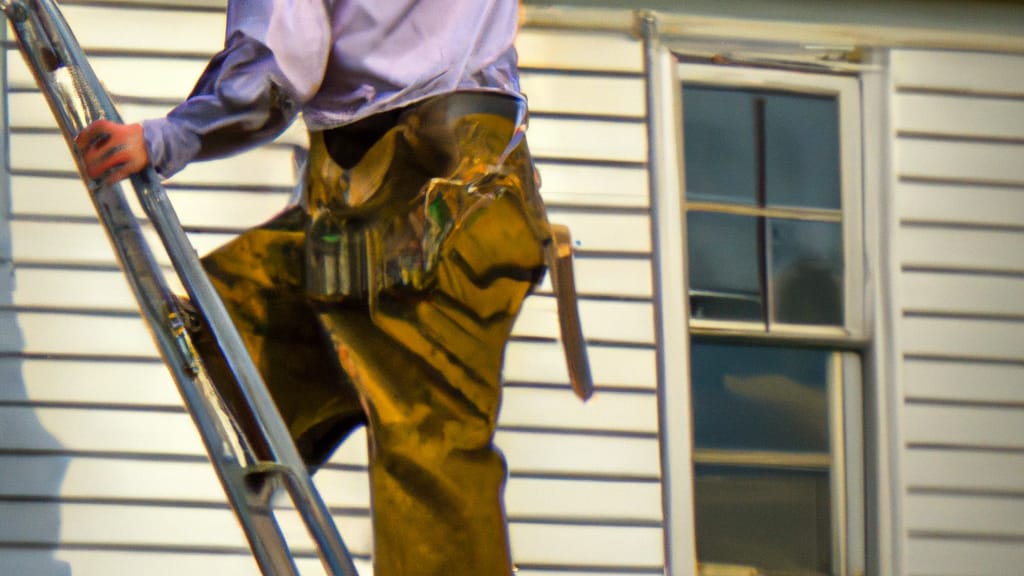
(772, 204)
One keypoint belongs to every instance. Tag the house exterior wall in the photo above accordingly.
(958, 191)
(101, 470)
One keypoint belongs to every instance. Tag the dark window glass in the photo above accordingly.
(721, 159)
(806, 272)
(776, 521)
(801, 151)
(759, 398)
(723, 262)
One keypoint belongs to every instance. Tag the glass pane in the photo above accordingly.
(759, 397)
(721, 160)
(776, 521)
(806, 272)
(723, 265)
(801, 151)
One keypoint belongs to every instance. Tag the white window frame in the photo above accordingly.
(666, 76)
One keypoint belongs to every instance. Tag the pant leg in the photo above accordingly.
(427, 360)
(259, 278)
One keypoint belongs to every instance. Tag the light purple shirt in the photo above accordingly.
(336, 61)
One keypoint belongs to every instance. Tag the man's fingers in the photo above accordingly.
(111, 151)
(118, 173)
(93, 134)
(103, 159)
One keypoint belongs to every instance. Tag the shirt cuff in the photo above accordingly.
(170, 146)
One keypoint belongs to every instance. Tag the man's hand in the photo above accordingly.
(112, 151)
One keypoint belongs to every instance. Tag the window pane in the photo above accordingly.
(720, 154)
(777, 521)
(723, 264)
(801, 151)
(760, 398)
(806, 272)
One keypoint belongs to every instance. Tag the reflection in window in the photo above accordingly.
(722, 167)
(762, 456)
(759, 398)
(806, 272)
(778, 522)
(725, 283)
(763, 202)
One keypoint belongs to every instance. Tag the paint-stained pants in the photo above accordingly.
(387, 298)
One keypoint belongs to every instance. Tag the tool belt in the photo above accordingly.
(383, 195)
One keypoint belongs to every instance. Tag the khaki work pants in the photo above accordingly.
(386, 299)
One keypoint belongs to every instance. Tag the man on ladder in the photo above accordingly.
(387, 295)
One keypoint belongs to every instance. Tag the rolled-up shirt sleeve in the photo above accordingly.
(273, 62)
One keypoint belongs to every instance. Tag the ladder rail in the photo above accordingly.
(76, 99)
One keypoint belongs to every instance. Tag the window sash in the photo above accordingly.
(846, 90)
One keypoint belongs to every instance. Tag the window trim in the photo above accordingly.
(846, 90)
(665, 74)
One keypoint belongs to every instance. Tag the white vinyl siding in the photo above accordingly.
(104, 469)
(958, 122)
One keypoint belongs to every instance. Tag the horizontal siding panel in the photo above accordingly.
(98, 430)
(955, 470)
(966, 557)
(601, 571)
(586, 545)
(140, 384)
(982, 162)
(544, 362)
(960, 116)
(976, 515)
(595, 140)
(975, 72)
(101, 562)
(71, 243)
(572, 50)
(609, 321)
(133, 382)
(611, 277)
(29, 110)
(958, 204)
(961, 249)
(51, 333)
(561, 409)
(64, 562)
(258, 168)
(959, 337)
(584, 499)
(159, 483)
(127, 76)
(81, 289)
(85, 525)
(626, 234)
(601, 186)
(928, 379)
(617, 233)
(962, 294)
(207, 209)
(968, 427)
(148, 29)
(172, 434)
(133, 481)
(580, 454)
(86, 243)
(550, 93)
(49, 196)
